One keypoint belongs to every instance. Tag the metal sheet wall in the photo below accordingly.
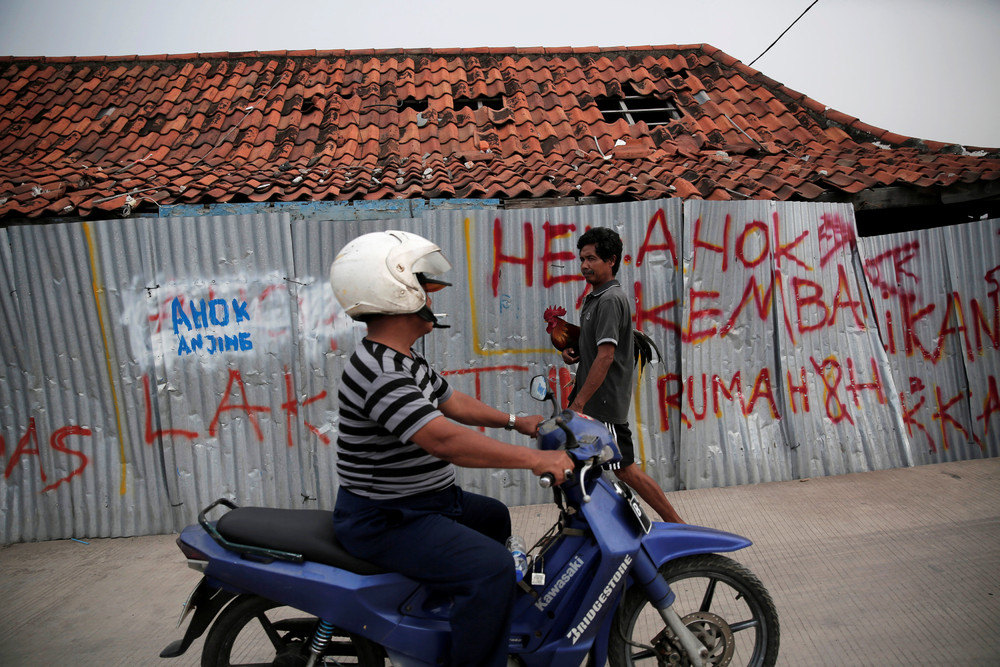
(784, 374)
(149, 366)
(936, 296)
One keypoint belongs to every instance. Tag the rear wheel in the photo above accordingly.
(253, 631)
(719, 600)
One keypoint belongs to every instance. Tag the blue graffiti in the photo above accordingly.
(205, 314)
(215, 344)
(215, 312)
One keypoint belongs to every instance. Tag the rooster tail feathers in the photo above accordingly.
(646, 350)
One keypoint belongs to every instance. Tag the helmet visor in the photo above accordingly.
(432, 264)
(431, 284)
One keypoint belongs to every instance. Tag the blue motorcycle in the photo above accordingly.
(604, 585)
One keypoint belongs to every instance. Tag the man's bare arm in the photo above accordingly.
(595, 377)
(471, 449)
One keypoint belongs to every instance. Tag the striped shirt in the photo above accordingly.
(386, 397)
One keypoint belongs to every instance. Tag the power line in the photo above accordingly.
(783, 34)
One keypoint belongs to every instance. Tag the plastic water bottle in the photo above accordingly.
(515, 544)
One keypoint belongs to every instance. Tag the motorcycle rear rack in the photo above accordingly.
(262, 554)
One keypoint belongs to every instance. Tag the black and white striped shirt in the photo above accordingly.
(386, 397)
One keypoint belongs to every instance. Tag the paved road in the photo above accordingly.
(897, 567)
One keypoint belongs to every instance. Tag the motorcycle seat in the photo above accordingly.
(306, 532)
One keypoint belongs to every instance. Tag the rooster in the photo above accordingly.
(567, 336)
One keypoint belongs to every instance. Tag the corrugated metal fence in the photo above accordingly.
(150, 366)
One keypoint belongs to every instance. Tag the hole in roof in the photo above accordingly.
(411, 103)
(635, 108)
(495, 103)
(309, 104)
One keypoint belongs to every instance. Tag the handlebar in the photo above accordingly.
(548, 480)
(570, 436)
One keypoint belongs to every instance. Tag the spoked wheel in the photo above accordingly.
(722, 602)
(253, 631)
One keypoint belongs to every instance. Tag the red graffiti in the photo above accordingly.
(699, 397)
(27, 445)
(968, 326)
(226, 406)
(755, 243)
(722, 249)
(696, 313)
(291, 409)
(911, 422)
(558, 256)
(949, 412)
(783, 251)
(888, 272)
(151, 435)
(500, 258)
(670, 400)
(763, 251)
(991, 405)
(945, 419)
(798, 391)
(552, 257)
(812, 311)
(856, 386)
(830, 371)
(761, 299)
(477, 374)
(657, 224)
(659, 315)
(835, 234)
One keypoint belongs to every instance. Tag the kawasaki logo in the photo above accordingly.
(560, 583)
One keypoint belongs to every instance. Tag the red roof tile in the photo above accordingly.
(77, 134)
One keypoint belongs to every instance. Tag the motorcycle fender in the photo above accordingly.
(670, 541)
(207, 601)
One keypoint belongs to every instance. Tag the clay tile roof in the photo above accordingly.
(80, 136)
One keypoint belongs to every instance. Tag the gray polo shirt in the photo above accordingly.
(606, 317)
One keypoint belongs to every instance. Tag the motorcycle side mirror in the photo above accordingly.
(539, 390)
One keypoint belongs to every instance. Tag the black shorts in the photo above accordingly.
(623, 438)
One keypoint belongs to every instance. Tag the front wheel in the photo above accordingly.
(253, 631)
(722, 602)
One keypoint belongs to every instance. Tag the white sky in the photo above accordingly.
(923, 68)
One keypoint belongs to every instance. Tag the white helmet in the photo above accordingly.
(387, 273)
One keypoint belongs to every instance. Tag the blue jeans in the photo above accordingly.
(453, 541)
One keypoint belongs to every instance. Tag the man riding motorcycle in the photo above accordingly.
(402, 431)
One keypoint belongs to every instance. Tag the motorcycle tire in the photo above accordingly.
(252, 630)
(722, 602)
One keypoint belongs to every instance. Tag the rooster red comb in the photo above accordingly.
(550, 315)
(553, 311)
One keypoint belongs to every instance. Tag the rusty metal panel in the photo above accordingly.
(326, 338)
(782, 369)
(64, 463)
(511, 266)
(937, 301)
(149, 366)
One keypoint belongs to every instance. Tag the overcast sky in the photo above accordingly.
(923, 68)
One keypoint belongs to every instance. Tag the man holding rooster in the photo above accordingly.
(607, 359)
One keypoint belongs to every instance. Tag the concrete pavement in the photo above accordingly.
(897, 567)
